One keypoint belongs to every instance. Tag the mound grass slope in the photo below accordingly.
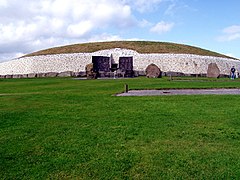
(139, 46)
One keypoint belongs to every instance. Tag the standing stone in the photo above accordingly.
(153, 71)
(213, 70)
(90, 71)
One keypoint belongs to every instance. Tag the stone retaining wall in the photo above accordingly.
(181, 63)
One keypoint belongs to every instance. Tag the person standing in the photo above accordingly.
(233, 72)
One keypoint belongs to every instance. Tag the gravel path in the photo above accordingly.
(179, 92)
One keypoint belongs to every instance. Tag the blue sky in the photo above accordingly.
(32, 25)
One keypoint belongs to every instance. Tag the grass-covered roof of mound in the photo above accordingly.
(139, 46)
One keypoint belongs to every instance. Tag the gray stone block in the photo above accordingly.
(82, 74)
(79, 74)
(90, 72)
(32, 75)
(66, 74)
(135, 73)
(24, 76)
(153, 71)
(51, 74)
(224, 76)
(174, 74)
(16, 76)
(41, 75)
(8, 76)
(213, 70)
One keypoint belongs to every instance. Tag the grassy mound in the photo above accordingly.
(139, 46)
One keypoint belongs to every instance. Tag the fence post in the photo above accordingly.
(126, 88)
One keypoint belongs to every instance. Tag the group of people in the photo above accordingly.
(233, 73)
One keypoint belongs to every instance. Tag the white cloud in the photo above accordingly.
(177, 7)
(162, 27)
(27, 26)
(145, 5)
(171, 9)
(14, 32)
(3, 3)
(232, 29)
(230, 33)
(79, 29)
(144, 23)
(104, 37)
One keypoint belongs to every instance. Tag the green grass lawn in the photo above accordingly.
(63, 128)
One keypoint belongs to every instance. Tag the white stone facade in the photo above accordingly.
(184, 63)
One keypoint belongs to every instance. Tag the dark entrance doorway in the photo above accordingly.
(126, 66)
(101, 65)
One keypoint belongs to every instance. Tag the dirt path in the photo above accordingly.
(179, 92)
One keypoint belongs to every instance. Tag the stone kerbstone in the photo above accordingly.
(153, 71)
(51, 74)
(17, 76)
(24, 76)
(8, 76)
(136, 73)
(174, 74)
(41, 75)
(82, 74)
(32, 75)
(141, 73)
(213, 70)
(66, 74)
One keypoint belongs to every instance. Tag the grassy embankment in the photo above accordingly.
(139, 46)
(66, 129)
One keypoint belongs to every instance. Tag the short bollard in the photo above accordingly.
(126, 88)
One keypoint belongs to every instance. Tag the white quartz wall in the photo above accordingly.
(49, 63)
(185, 63)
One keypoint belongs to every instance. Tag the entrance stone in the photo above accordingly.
(153, 71)
(90, 71)
(213, 70)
